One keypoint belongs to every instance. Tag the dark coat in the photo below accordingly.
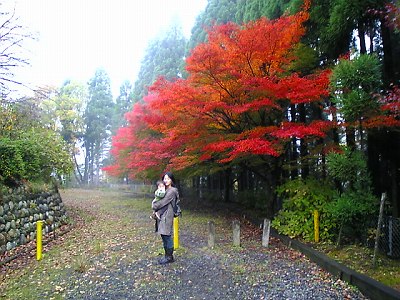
(165, 225)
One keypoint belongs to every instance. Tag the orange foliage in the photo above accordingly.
(232, 105)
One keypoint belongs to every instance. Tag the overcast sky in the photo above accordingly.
(76, 37)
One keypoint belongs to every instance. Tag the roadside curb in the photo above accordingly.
(368, 287)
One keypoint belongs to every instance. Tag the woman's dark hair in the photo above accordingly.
(170, 175)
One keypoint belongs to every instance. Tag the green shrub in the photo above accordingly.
(31, 155)
(300, 199)
(351, 205)
(356, 204)
(35, 155)
(12, 165)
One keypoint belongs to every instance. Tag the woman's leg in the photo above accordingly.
(167, 241)
(168, 248)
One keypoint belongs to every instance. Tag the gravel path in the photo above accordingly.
(114, 256)
(201, 274)
(226, 272)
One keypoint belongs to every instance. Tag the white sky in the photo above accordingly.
(76, 37)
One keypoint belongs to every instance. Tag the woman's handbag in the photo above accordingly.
(177, 209)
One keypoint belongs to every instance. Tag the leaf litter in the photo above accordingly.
(111, 252)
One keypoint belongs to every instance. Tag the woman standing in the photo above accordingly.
(165, 223)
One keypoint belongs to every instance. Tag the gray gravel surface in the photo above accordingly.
(226, 272)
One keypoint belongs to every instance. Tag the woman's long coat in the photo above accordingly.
(165, 225)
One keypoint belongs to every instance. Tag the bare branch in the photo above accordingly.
(12, 36)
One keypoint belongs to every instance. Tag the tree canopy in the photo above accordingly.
(164, 57)
(233, 105)
(269, 98)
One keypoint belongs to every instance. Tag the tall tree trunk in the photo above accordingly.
(293, 159)
(335, 132)
(361, 133)
(361, 36)
(275, 181)
(251, 180)
(350, 137)
(318, 166)
(227, 185)
(394, 171)
(323, 164)
(374, 161)
(196, 185)
(305, 170)
(88, 158)
(77, 171)
(293, 152)
(388, 71)
(91, 166)
(243, 183)
(209, 182)
(271, 177)
(394, 191)
(371, 39)
(97, 171)
(384, 165)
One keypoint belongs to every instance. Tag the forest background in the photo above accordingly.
(283, 106)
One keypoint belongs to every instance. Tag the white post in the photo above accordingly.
(266, 231)
(236, 233)
(211, 234)
(378, 229)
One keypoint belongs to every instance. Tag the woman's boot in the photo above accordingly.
(170, 255)
(168, 258)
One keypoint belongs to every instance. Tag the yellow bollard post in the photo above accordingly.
(316, 226)
(176, 233)
(39, 225)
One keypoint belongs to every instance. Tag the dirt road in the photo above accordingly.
(112, 252)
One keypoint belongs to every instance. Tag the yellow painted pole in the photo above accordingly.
(39, 225)
(176, 233)
(316, 226)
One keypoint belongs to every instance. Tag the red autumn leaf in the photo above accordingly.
(233, 104)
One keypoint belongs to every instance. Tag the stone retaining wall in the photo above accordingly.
(19, 212)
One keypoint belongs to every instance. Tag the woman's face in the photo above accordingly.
(167, 181)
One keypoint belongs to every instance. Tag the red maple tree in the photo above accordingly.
(232, 107)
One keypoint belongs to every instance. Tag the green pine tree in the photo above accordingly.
(98, 117)
(164, 57)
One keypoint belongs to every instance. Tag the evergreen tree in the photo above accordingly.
(250, 10)
(97, 118)
(164, 57)
(123, 104)
(216, 12)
